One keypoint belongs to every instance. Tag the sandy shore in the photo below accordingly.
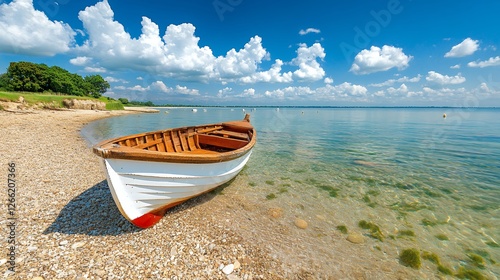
(68, 226)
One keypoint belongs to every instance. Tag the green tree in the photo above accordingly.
(123, 100)
(98, 86)
(4, 81)
(27, 76)
(60, 81)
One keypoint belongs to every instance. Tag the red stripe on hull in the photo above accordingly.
(147, 220)
(150, 219)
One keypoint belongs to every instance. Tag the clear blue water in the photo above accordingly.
(400, 168)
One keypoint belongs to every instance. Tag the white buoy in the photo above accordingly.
(444, 116)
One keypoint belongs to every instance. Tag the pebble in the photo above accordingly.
(237, 265)
(300, 223)
(355, 238)
(77, 245)
(87, 238)
(173, 251)
(228, 269)
(100, 272)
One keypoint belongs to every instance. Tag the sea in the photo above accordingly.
(422, 178)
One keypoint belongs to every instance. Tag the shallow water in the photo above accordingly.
(408, 170)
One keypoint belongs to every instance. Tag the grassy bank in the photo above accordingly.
(53, 99)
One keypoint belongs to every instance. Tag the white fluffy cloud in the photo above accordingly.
(176, 53)
(95, 69)
(466, 47)
(402, 89)
(114, 48)
(309, 68)
(289, 92)
(493, 61)
(440, 79)
(349, 89)
(272, 75)
(447, 92)
(30, 32)
(158, 87)
(80, 61)
(309, 30)
(186, 91)
(327, 92)
(391, 82)
(379, 59)
(243, 62)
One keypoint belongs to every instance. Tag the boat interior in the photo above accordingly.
(197, 140)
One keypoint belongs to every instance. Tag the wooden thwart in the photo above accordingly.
(222, 142)
(227, 133)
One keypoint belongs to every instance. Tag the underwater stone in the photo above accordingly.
(356, 238)
(300, 223)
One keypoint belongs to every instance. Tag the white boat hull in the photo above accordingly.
(143, 190)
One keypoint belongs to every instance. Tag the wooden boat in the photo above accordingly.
(150, 172)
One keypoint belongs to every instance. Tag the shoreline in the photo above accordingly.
(68, 226)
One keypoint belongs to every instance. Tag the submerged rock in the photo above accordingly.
(300, 223)
(356, 238)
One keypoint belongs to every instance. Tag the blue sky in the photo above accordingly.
(242, 52)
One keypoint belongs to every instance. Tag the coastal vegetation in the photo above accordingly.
(54, 101)
(40, 78)
(342, 229)
(411, 258)
(43, 86)
(375, 231)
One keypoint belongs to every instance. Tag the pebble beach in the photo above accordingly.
(68, 227)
